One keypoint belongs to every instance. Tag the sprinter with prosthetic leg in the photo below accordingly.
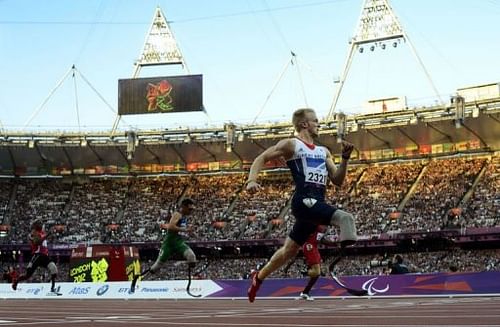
(173, 243)
(313, 259)
(311, 167)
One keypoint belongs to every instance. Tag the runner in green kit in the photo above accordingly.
(173, 242)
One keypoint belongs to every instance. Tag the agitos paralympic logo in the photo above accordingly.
(370, 288)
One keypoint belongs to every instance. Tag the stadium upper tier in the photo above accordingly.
(389, 135)
(406, 196)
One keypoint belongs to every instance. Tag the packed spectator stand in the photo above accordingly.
(426, 195)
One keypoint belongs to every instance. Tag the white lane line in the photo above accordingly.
(128, 317)
(347, 317)
(50, 323)
(291, 324)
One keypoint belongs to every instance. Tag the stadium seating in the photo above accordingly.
(138, 206)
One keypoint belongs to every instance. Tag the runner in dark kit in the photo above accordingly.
(313, 259)
(40, 257)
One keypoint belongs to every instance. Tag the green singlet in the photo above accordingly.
(173, 243)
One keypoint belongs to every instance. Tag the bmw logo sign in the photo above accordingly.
(103, 289)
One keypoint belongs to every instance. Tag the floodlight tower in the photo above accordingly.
(377, 26)
(160, 48)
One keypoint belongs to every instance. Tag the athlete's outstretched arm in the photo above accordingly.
(337, 175)
(284, 148)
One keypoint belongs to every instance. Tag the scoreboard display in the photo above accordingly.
(160, 94)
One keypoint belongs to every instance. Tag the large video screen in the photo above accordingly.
(160, 94)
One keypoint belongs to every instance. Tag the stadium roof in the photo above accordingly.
(407, 129)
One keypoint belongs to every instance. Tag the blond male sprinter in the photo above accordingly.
(311, 167)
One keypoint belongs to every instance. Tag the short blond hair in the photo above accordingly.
(298, 117)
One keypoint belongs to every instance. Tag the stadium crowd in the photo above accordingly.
(136, 209)
(442, 187)
(484, 206)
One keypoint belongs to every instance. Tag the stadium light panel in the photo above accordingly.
(475, 112)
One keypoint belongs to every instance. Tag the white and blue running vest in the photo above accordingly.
(308, 168)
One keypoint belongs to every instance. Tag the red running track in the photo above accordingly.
(405, 312)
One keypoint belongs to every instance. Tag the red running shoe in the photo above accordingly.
(254, 287)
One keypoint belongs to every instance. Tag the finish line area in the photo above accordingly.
(408, 312)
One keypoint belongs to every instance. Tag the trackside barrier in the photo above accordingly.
(440, 284)
(175, 289)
